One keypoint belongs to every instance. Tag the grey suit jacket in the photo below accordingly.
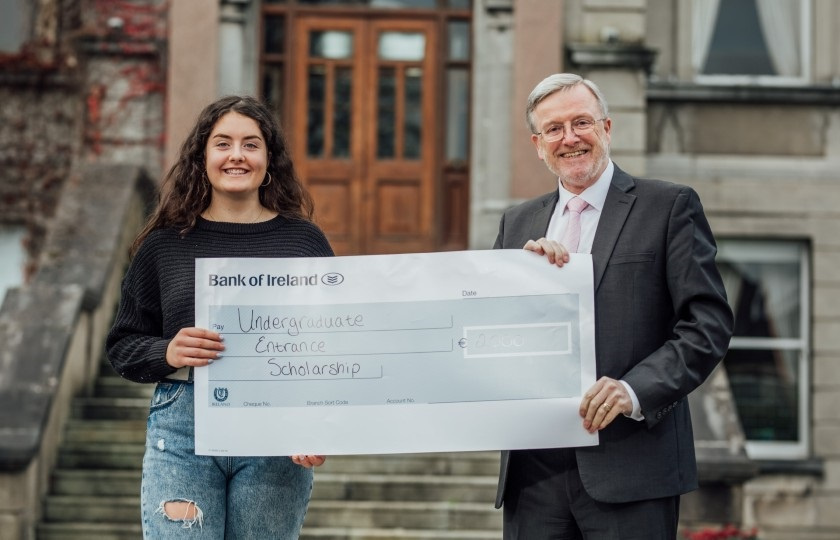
(662, 323)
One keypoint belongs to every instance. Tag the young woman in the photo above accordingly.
(233, 192)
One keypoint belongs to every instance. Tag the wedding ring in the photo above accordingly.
(607, 407)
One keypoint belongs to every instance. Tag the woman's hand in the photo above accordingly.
(194, 347)
(308, 461)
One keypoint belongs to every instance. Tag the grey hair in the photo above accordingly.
(557, 83)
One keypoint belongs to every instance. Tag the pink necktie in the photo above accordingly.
(571, 238)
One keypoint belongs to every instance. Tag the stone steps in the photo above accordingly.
(115, 387)
(129, 454)
(328, 486)
(447, 516)
(119, 531)
(96, 484)
(110, 408)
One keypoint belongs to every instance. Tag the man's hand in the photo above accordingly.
(553, 251)
(603, 402)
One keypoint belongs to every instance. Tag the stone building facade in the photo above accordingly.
(761, 146)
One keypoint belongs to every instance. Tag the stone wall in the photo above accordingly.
(40, 138)
(87, 87)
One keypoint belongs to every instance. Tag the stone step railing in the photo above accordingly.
(53, 329)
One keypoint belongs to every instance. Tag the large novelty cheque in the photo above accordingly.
(424, 352)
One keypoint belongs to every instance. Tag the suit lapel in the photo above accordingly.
(542, 217)
(616, 209)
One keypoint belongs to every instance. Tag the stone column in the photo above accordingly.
(491, 119)
(237, 46)
(191, 76)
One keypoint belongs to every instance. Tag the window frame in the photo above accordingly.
(785, 450)
(12, 235)
(805, 32)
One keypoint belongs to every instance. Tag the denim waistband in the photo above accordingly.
(185, 374)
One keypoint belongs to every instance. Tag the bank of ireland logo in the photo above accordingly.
(332, 278)
(221, 394)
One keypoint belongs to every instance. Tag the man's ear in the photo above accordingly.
(536, 140)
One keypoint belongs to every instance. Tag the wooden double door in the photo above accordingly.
(365, 107)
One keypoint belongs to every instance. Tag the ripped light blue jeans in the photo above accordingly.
(226, 497)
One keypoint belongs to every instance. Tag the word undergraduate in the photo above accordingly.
(250, 320)
(239, 280)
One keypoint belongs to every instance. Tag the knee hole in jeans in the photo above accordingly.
(183, 510)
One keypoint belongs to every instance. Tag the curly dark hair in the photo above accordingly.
(185, 192)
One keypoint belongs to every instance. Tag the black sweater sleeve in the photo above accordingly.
(158, 291)
(136, 345)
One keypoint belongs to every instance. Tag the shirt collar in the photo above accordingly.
(595, 194)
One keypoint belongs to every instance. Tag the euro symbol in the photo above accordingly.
(462, 343)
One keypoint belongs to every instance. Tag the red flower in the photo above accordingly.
(728, 532)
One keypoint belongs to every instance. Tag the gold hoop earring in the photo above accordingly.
(269, 180)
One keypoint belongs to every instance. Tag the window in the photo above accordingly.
(13, 257)
(761, 42)
(768, 358)
(457, 91)
(15, 25)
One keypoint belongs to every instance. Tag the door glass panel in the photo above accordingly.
(386, 113)
(315, 112)
(272, 85)
(459, 40)
(404, 3)
(275, 33)
(342, 115)
(457, 114)
(373, 3)
(413, 112)
(331, 44)
(402, 46)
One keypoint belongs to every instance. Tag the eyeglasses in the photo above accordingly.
(579, 127)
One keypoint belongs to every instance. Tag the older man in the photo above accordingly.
(662, 323)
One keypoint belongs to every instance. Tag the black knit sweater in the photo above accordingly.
(158, 291)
